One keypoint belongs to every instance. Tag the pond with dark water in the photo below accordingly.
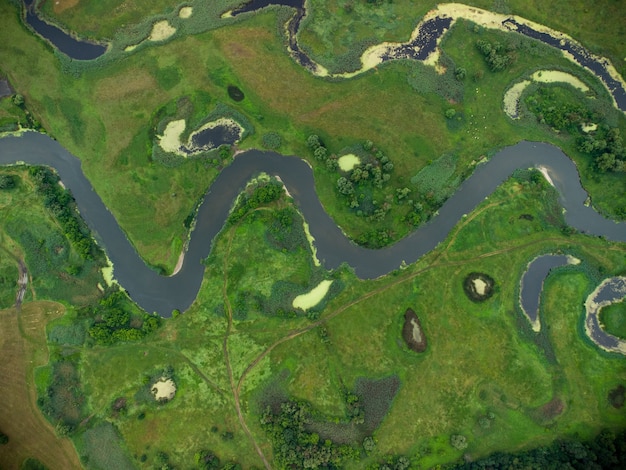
(161, 294)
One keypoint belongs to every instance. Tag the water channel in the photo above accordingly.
(156, 293)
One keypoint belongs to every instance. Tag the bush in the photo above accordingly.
(8, 182)
(272, 140)
(458, 441)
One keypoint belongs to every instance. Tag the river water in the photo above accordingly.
(160, 294)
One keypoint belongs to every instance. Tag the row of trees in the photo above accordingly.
(62, 205)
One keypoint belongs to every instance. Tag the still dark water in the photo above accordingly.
(161, 294)
(418, 49)
(69, 45)
(613, 290)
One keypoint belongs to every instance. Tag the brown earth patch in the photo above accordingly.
(131, 82)
(412, 332)
(59, 6)
(549, 412)
(22, 348)
(617, 396)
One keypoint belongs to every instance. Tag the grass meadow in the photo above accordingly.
(485, 375)
(108, 115)
(483, 359)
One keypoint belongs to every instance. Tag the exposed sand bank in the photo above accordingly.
(348, 162)
(164, 389)
(313, 297)
(480, 286)
(546, 175)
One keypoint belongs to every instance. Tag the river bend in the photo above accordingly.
(161, 294)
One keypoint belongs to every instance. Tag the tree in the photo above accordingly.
(7, 182)
(313, 141)
(18, 100)
(450, 113)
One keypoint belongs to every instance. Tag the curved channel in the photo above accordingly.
(422, 45)
(531, 285)
(160, 294)
(609, 291)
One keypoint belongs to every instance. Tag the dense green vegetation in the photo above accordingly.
(258, 381)
(613, 319)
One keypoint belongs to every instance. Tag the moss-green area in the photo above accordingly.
(108, 114)
(613, 319)
(241, 340)
(31, 234)
(334, 29)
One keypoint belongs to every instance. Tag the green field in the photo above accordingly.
(260, 383)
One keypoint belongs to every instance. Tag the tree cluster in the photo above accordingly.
(606, 147)
(497, 56)
(606, 451)
(114, 322)
(62, 205)
(294, 446)
(261, 195)
(8, 182)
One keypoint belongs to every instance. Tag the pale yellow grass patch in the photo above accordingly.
(312, 298)
(555, 76)
(164, 389)
(311, 241)
(170, 140)
(588, 127)
(185, 12)
(512, 96)
(348, 161)
(161, 30)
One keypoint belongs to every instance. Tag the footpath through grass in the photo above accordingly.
(485, 375)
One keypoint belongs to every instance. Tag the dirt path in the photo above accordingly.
(235, 388)
(22, 283)
(30, 434)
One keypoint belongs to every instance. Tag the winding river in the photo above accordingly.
(422, 45)
(160, 294)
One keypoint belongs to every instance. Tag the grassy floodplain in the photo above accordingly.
(108, 116)
(486, 380)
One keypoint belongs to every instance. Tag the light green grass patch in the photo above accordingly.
(313, 297)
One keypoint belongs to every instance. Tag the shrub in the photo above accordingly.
(271, 140)
(458, 441)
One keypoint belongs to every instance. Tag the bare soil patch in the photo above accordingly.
(23, 349)
(412, 332)
(61, 5)
(549, 412)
